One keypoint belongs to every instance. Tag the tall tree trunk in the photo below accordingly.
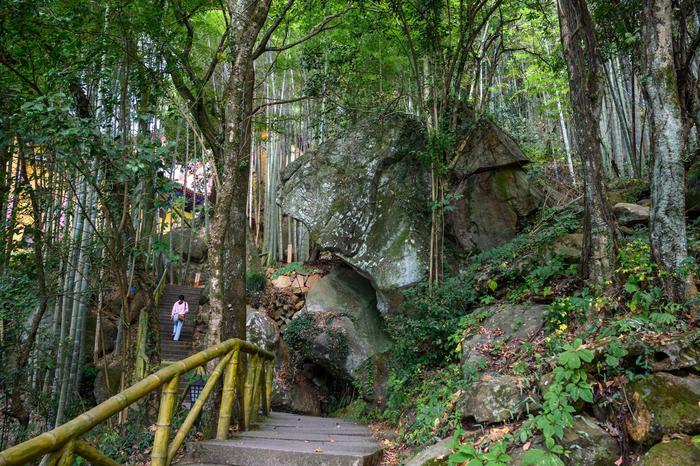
(669, 142)
(228, 226)
(584, 66)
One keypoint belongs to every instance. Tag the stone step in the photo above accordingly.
(291, 440)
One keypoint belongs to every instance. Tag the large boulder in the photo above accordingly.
(189, 244)
(487, 171)
(661, 404)
(107, 381)
(631, 214)
(365, 196)
(433, 455)
(340, 328)
(506, 324)
(495, 399)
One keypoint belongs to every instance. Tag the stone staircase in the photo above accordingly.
(290, 440)
(171, 351)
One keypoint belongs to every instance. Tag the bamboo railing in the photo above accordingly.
(247, 377)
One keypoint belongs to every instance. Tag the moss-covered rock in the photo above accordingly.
(363, 196)
(673, 453)
(663, 403)
(590, 444)
(507, 323)
(495, 399)
(340, 328)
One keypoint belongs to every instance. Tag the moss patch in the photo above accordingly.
(674, 453)
(664, 403)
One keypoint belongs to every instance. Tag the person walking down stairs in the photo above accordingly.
(180, 308)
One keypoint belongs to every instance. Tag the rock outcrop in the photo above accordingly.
(365, 197)
(340, 328)
(495, 399)
(189, 245)
(434, 455)
(507, 323)
(631, 214)
(488, 173)
(589, 444)
(675, 452)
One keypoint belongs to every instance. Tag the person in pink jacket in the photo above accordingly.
(180, 308)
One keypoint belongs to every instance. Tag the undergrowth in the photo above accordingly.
(426, 378)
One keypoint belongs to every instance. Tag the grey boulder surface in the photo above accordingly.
(341, 325)
(365, 196)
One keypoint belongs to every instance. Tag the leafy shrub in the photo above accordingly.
(497, 454)
(424, 402)
(422, 334)
(255, 281)
(570, 384)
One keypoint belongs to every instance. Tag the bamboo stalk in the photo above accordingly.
(240, 377)
(197, 408)
(92, 454)
(53, 458)
(159, 455)
(227, 396)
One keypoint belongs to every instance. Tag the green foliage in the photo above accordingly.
(255, 281)
(497, 454)
(289, 268)
(421, 399)
(569, 385)
(565, 311)
(304, 329)
(422, 334)
(539, 457)
(522, 264)
(639, 270)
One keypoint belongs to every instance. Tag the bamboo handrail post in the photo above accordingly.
(257, 389)
(227, 396)
(197, 408)
(92, 454)
(248, 392)
(67, 456)
(53, 458)
(241, 376)
(269, 375)
(159, 455)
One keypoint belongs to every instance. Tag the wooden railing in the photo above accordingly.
(247, 377)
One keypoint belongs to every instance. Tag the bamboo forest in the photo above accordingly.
(350, 232)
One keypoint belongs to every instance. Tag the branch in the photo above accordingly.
(4, 59)
(280, 102)
(319, 28)
(268, 34)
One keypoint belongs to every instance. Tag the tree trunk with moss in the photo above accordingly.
(584, 66)
(669, 142)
